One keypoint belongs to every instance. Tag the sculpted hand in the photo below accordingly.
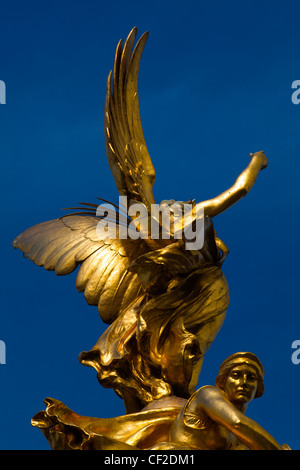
(261, 157)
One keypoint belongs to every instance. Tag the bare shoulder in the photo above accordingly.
(207, 392)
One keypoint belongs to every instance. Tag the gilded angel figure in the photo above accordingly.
(164, 303)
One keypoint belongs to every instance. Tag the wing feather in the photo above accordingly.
(87, 268)
(125, 144)
(58, 252)
(98, 277)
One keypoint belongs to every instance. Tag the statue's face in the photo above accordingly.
(241, 384)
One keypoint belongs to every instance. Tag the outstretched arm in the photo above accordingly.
(213, 403)
(241, 187)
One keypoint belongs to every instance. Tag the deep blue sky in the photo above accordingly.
(215, 84)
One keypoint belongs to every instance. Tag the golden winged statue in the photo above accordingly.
(164, 303)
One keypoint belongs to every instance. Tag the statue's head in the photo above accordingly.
(241, 377)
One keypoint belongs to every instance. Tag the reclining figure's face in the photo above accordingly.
(241, 384)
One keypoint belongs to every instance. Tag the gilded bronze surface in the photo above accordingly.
(211, 419)
(164, 304)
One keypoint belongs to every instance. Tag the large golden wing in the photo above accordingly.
(125, 145)
(61, 245)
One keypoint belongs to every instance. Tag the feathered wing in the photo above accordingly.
(61, 245)
(125, 145)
